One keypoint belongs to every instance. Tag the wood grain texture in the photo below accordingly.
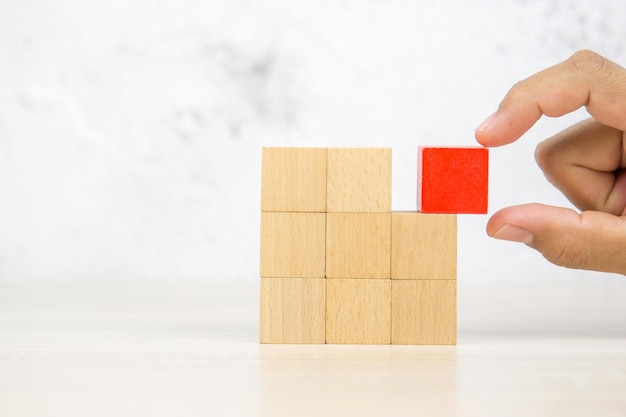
(293, 245)
(293, 310)
(423, 246)
(358, 311)
(359, 180)
(293, 179)
(358, 245)
(423, 312)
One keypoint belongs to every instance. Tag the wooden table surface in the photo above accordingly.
(191, 349)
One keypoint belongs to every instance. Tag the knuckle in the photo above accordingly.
(571, 254)
(549, 154)
(543, 155)
(600, 72)
(586, 61)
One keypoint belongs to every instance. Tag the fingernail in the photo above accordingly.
(514, 234)
(483, 126)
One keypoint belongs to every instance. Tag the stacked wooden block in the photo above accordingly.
(338, 266)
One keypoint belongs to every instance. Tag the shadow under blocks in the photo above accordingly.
(339, 266)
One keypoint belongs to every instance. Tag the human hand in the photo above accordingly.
(587, 162)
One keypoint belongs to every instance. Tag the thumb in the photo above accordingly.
(590, 240)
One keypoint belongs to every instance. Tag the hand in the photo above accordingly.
(587, 162)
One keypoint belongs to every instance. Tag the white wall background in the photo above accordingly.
(130, 131)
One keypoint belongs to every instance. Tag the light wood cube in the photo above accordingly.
(358, 311)
(423, 246)
(293, 245)
(359, 180)
(358, 245)
(423, 312)
(293, 179)
(293, 310)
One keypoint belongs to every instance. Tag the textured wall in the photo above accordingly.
(130, 131)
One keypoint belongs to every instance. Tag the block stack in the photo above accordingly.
(338, 266)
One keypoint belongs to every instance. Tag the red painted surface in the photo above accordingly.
(453, 180)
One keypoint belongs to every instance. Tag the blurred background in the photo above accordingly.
(131, 131)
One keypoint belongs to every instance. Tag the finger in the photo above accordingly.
(590, 240)
(586, 163)
(585, 79)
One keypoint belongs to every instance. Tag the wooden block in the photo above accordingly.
(358, 311)
(358, 245)
(359, 180)
(293, 310)
(293, 179)
(423, 312)
(293, 245)
(453, 180)
(423, 246)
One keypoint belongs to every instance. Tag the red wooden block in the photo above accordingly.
(452, 180)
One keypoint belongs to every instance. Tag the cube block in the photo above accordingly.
(337, 266)
(293, 245)
(359, 180)
(424, 246)
(453, 180)
(358, 245)
(293, 179)
(423, 312)
(358, 311)
(293, 310)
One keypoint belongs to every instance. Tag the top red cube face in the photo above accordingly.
(452, 180)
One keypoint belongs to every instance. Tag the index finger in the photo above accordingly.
(584, 79)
